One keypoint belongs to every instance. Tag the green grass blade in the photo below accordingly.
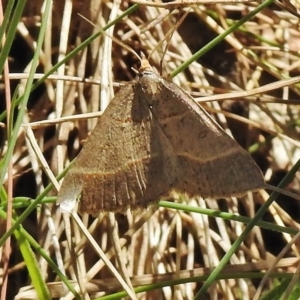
(220, 37)
(245, 233)
(12, 29)
(14, 135)
(32, 267)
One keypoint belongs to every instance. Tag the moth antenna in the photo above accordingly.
(114, 39)
(169, 36)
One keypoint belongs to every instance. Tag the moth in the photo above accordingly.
(153, 139)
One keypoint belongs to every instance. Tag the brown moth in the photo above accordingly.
(154, 138)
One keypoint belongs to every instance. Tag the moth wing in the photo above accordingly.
(213, 164)
(122, 164)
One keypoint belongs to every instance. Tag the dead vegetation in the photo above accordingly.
(169, 251)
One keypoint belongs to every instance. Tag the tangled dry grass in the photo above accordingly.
(248, 81)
